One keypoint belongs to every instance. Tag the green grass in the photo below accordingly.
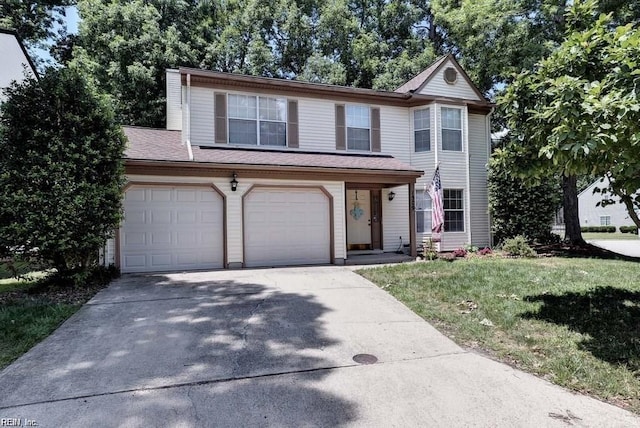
(587, 236)
(575, 322)
(22, 325)
(26, 321)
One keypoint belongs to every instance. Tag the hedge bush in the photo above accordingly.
(629, 229)
(599, 229)
(519, 208)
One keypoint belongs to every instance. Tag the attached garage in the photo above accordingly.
(171, 228)
(286, 226)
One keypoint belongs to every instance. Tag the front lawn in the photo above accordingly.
(590, 236)
(31, 309)
(575, 322)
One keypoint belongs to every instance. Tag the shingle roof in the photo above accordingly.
(417, 81)
(154, 144)
(163, 145)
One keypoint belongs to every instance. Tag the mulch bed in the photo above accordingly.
(47, 292)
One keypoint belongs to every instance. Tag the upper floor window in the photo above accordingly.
(358, 128)
(453, 210)
(451, 121)
(422, 130)
(257, 120)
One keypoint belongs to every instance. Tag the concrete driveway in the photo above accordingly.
(627, 248)
(271, 348)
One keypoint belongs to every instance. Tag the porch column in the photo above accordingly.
(413, 249)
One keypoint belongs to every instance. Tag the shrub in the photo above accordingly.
(471, 248)
(518, 247)
(61, 171)
(598, 229)
(629, 229)
(517, 207)
(485, 251)
(460, 252)
(428, 249)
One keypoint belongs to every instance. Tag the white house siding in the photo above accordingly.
(174, 100)
(478, 191)
(13, 62)
(395, 218)
(202, 116)
(234, 216)
(437, 86)
(590, 214)
(316, 122)
(395, 132)
(454, 175)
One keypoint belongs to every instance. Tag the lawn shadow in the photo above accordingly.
(609, 316)
(587, 251)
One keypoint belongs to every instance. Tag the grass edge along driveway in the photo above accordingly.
(574, 322)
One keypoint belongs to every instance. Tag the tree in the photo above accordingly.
(61, 170)
(578, 113)
(34, 21)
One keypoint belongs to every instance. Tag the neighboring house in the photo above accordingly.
(592, 215)
(254, 171)
(15, 60)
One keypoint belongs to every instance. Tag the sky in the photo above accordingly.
(72, 19)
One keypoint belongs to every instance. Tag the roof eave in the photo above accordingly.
(155, 167)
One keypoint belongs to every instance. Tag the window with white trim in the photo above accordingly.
(422, 130)
(451, 129)
(605, 220)
(423, 212)
(258, 121)
(358, 128)
(453, 201)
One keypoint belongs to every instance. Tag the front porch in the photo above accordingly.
(380, 220)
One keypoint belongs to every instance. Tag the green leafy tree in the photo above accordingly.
(577, 114)
(34, 21)
(61, 170)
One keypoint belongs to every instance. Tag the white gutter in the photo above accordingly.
(188, 111)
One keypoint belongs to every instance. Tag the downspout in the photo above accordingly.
(188, 141)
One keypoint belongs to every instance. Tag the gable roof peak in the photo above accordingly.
(422, 77)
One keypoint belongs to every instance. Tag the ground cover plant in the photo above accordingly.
(573, 321)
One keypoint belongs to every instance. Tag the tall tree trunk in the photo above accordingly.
(572, 231)
(631, 209)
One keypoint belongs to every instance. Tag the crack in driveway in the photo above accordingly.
(227, 380)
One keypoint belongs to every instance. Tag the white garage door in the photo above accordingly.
(171, 228)
(286, 226)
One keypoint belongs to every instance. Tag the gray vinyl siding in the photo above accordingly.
(174, 100)
(478, 192)
(461, 89)
(395, 218)
(590, 214)
(202, 117)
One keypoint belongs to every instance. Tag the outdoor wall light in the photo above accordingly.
(234, 182)
(392, 195)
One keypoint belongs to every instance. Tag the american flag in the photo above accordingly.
(437, 207)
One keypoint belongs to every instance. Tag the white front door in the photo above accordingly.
(169, 228)
(358, 219)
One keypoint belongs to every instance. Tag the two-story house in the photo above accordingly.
(16, 62)
(253, 171)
